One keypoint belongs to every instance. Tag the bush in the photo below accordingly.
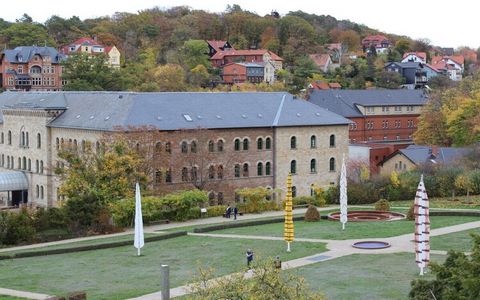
(17, 228)
(332, 194)
(255, 198)
(302, 200)
(319, 197)
(382, 205)
(215, 211)
(51, 218)
(411, 212)
(312, 214)
(178, 206)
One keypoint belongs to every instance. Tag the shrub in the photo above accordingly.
(332, 194)
(312, 214)
(215, 211)
(302, 200)
(17, 228)
(319, 197)
(411, 212)
(382, 205)
(50, 218)
(254, 197)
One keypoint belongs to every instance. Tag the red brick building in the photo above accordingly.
(377, 115)
(31, 69)
(230, 55)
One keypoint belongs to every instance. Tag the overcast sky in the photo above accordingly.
(444, 23)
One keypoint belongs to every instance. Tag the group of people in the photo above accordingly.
(231, 211)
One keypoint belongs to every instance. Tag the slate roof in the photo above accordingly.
(343, 102)
(173, 111)
(24, 54)
(423, 154)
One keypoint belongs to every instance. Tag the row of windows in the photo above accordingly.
(313, 141)
(245, 172)
(24, 139)
(371, 109)
(313, 166)
(400, 166)
(398, 124)
(22, 164)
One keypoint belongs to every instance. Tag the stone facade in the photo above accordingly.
(398, 163)
(305, 151)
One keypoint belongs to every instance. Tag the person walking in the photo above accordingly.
(249, 257)
(228, 212)
(235, 212)
(277, 262)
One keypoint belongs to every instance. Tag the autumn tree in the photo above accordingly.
(267, 283)
(351, 39)
(402, 45)
(85, 72)
(389, 80)
(26, 34)
(193, 53)
(169, 78)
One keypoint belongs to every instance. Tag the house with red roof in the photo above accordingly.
(92, 47)
(323, 85)
(322, 61)
(230, 55)
(215, 46)
(380, 42)
(419, 57)
(450, 66)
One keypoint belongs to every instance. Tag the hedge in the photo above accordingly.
(92, 247)
(242, 224)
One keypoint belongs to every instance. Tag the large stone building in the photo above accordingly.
(31, 69)
(240, 139)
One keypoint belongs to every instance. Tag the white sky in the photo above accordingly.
(445, 23)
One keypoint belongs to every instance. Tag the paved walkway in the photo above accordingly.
(22, 294)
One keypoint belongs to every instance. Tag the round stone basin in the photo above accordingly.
(371, 245)
(368, 215)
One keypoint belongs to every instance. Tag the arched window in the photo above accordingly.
(293, 167)
(57, 143)
(332, 140)
(158, 147)
(245, 170)
(259, 144)
(9, 137)
(237, 144)
(24, 163)
(41, 192)
(268, 167)
(259, 169)
(211, 146)
(220, 146)
(211, 172)
(158, 176)
(313, 165)
(22, 139)
(39, 140)
(245, 144)
(237, 170)
(37, 166)
(294, 191)
(332, 164)
(313, 141)
(220, 198)
(29, 164)
(75, 145)
(27, 142)
(268, 143)
(41, 167)
(168, 147)
(293, 142)
(211, 198)
(168, 176)
(220, 172)
(184, 147)
(184, 174)
(19, 166)
(37, 191)
(193, 147)
(2, 138)
(194, 174)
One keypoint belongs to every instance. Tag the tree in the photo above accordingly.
(199, 76)
(432, 124)
(268, 283)
(351, 39)
(169, 78)
(389, 80)
(304, 70)
(402, 46)
(193, 53)
(85, 72)
(456, 278)
(26, 34)
(254, 196)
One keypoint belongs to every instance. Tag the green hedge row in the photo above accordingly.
(92, 247)
(242, 224)
(455, 213)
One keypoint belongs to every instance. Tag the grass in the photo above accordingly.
(458, 241)
(365, 277)
(325, 229)
(118, 274)
(96, 241)
(473, 202)
(5, 297)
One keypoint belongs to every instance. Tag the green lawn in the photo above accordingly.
(365, 277)
(326, 229)
(117, 273)
(5, 297)
(459, 241)
(473, 202)
(97, 241)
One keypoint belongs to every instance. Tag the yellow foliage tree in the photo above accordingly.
(394, 179)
